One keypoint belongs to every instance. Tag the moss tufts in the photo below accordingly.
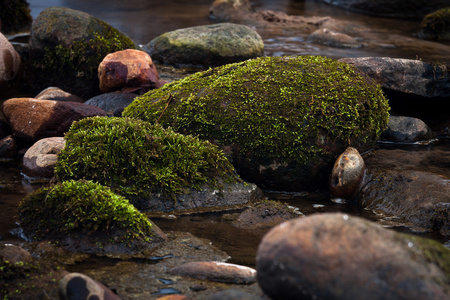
(437, 21)
(82, 207)
(295, 108)
(137, 159)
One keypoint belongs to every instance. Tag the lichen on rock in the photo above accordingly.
(153, 167)
(291, 114)
(87, 217)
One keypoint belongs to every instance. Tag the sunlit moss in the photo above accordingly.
(297, 108)
(82, 207)
(137, 159)
(436, 25)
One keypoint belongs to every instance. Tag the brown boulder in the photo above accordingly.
(32, 120)
(40, 159)
(127, 68)
(335, 256)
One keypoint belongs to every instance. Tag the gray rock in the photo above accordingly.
(209, 45)
(413, 77)
(40, 159)
(335, 256)
(406, 130)
(109, 102)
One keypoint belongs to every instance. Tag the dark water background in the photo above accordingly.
(144, 20)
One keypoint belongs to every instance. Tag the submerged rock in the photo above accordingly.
(333, 38)
(155, 168)
(66, 48)
(335, 256)
(91, 219)
(206, 46)
(282, 121)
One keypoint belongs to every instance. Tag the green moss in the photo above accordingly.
(137, 159)
(81, 207)
(290, 107)
(437, 21)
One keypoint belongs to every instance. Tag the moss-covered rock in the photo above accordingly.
(283, 120)
(87, 217)
(15, 16)
(436, 25)
(66, 47)
(156, 169)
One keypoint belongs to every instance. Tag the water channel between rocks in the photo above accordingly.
(143, 21)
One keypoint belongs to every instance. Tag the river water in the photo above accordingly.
(143, 20)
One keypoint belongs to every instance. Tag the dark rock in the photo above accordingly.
(216, 271)
(32, 120)
(391, 8)
(436, 25)
(66, 48)
(347, 176)
(8, 147)
(407, 76)
(76, 286)
(406, 130)
(14, 254)
(233, 294)
(206, 46)
(127, 68)
(5, 130)
(55, 93)
(40, 159)
(110, 102)
(335, 256)
(15, 16)
(10, 63)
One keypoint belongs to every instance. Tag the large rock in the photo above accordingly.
(335, 256)
(15, 16)
(91, 219)
(66, 47)
(209, 45)
(125, 69)
(282, 121)
(436, 25)
(10, 63)
(391, 8)
(32, 120)
(40, 159)
(156, 169)
(78, 286)
(406, 76)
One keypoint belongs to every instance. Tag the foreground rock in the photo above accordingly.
(32, 120)
(156, 169)
(76, 286)
(91, 219)
(10, 63)
(127, 69)
(406, 130)
(281, 120)
(216, 271)
(334, 256)
(40, 159)
(393, 8)
(206, 46)
(66, 47)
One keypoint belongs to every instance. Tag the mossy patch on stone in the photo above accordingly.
(139, 160)
(66, 47)
(436, 25)
(84, 208)
(303, 109)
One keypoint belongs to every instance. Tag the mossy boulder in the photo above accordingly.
(282, 120)
(66, 48)
(436, 25)
(15, 16)
(87, 217)
(155, 168)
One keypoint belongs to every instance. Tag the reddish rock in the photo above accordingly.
(55, 93)
(76, 286)
(31, 119)
(14, 254)
(127, 68)
(10, 62)
(335, 256)
(173, 297)
(8, 147)
(216, 271)
(40, 159)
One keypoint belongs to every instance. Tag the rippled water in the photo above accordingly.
(143, 20)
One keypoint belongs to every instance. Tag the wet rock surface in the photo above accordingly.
(335, 256)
